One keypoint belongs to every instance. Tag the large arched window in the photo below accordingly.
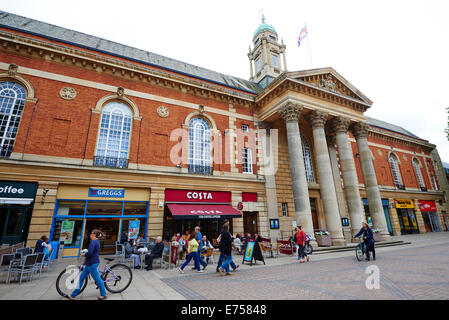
(199, 147)
(307, 155)
(418, 174)
(12, 101)
(395, 171)
(113, 139)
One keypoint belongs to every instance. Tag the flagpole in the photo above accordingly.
(308, 44)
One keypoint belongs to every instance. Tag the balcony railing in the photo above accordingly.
(110, 162)
(400, 186)
(424, 189)
(196, 169)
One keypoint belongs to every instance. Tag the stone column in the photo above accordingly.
(394, 218)
(285, 61)
(251, 67)
(317, 120)
(340, 127)
(360, 131)
(419, 217)
(291, 112)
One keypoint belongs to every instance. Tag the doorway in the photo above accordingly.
(407, 221)
(13, 222)
(110, 227)
(316, 226)
(250, 222)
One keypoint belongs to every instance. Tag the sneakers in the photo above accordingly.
(299, 258)
(221, 271)
(302, 261)
(236, 267)
(228, 274)
(308, 259)
(137, 267)
(204, 268)
(180, 270)
(200, 271)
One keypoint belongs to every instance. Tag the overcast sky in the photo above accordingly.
(395, 52)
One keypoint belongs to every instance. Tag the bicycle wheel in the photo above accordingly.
(117, 278)
(68, 280)
(308, 249)
(359, 252)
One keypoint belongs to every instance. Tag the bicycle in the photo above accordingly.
(116, 278)
(360, 250)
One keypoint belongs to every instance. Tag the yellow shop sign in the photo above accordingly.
(404, 204)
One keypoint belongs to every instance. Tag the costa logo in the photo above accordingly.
(199, 195)
(206, 212)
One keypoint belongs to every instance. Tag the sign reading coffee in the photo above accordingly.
(12, 189)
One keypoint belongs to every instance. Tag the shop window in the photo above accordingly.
(114, 136)
(247, 160)
(69, 231)
(104, 208)
(12, 101)
(135, 208)
(137, 227)
(199, 147)
(71, 208)
(307, 156)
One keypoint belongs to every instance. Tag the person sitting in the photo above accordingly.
(157, 252)
(205, 244)
(238, 243)
(140, 240)
(129, 254)
(40, 244)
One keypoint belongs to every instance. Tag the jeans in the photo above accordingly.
(220, 261)
(301, 253)
(194, 256)
(226, 263)
(136, 258)
(93, 270)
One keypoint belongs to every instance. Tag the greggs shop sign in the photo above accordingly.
(404, 204)
(172, 195)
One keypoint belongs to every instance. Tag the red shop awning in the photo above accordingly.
(203, 211)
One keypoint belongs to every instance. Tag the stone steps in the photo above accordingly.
(351, 247)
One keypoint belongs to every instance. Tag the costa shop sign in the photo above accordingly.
(172, 195)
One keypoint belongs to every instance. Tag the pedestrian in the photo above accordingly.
(300, 239)
(92, 256)
(257, 238)
(198, 238)
(226, 251)
(193, 254)
(222, 256)
(368, 239)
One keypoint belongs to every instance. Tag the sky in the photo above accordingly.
(395, 52)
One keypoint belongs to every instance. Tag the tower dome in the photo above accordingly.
(264, 26)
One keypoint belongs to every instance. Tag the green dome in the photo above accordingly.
(264, 26)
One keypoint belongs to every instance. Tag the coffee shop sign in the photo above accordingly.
(199, 195)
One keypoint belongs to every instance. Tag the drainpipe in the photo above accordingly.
(29, 128)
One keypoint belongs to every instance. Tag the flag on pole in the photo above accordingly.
(302, 35)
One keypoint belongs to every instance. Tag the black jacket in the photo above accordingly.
(226, 243)
(368, 233)
(158, 249)
(39, 247)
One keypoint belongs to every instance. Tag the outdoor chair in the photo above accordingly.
(25, 251)
(5, 262)
(266, 250)
(24, 266)
(209, 254)
(39, 263)
(18, 255)
(17, 246)
(120, 254)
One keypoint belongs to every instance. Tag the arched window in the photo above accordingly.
(396, 173)
(113, 139)
(199, 147)
(12, 101)
(418, 173)
(307, 155)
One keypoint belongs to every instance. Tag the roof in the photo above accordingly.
(49, 31)
(391, 127)
(264, 26)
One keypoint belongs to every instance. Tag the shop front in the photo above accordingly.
(119, 213)
(430, 216)
(186, 209)
(406, 215)
(385, 206)
(16, 207)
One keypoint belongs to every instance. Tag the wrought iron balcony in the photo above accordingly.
(424, 189)
(400, 186)
(110, 162)
(196, 169)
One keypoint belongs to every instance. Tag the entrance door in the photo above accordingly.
(13, 228)
(250, 222)
(435, 221)
(316, 226)
(110, 227)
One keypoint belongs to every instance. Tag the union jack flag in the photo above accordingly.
(302, 35)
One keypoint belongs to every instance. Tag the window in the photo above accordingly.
(275, 61)
(114, 136)
(284, 209)
(247, 160)
(245, 128)
(434, 181)
(258, 65)
(395, 171)
(272, 38)
(199, 147)
(307, 155)
(12, 101)
(418, 173)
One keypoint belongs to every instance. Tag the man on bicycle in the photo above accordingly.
(368, 239)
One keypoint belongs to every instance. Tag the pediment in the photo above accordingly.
(328, 79)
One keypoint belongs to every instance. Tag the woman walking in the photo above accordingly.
(300, 239)
(193, 254)
(226, 250)
(91, 266)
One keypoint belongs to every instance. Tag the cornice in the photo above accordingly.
(100, 63)
(392, 137)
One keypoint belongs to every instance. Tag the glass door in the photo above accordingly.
(13, 231)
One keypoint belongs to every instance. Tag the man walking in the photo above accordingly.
(199, 238)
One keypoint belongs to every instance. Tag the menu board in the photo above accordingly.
(133, 230)
(67, 231)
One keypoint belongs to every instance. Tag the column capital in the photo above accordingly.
(360, 130)
(264, 125)
(290, 112)
(331, 140)
(340, 124)
(317, 118)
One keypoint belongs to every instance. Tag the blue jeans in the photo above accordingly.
(93, 270)
(222, 258)
(228, 261)
(194, 256)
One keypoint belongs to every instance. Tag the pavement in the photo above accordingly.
(409, 272)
